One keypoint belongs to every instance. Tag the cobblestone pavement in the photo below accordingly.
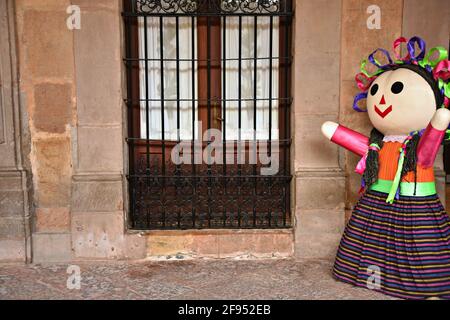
(188, 279)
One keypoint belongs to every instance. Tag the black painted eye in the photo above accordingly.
(397, 87)
(374, 89)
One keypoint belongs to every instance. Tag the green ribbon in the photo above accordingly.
(363, 69)
(398, 175)
(447, 90)
(419, 189)
(447, 134)
(443, 55)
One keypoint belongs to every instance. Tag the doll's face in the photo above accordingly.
(399, 102)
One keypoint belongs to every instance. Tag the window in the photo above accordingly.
(199, 65)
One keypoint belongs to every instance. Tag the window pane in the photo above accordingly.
(247, 84)
(153, 101)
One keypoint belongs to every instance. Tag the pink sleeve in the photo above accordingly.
(351, 140)
(429, 145)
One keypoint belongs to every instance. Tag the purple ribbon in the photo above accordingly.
(376, 63)
(358, 97)
(412, 49)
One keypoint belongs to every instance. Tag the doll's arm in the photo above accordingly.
(432, 137)
(345, 137)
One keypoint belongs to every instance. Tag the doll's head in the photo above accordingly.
(402, 96)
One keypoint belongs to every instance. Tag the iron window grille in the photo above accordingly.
(171, 87)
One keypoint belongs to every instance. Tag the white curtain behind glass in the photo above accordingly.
(170, 77)
(247, 82)
(232, 74)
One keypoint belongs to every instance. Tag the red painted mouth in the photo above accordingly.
(383, 113)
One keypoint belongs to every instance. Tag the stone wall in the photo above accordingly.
(47, 84)
(75, 157)
(73, 87)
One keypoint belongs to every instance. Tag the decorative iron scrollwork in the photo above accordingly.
(250, 6)
(222, 6)
(167, 6)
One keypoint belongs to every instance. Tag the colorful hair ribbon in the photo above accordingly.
(436, 62)
(445, 88)
(442, 70)
(367, 73)
(361, 166)
(397, 44)
(446, 103)
(363, 81)
(442, 55)
(412, 48)
(447, 135)
(359, 97)
(376, 63)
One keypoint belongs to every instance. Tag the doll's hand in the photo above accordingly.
(329, 128)
(441, 119)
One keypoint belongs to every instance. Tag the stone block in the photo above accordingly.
(318, 37)
(51, 247)
(100, 149)
(53, 105)
(43, 4)
(315, 192)
(320, 42)
(98, 4)
(441, 186)
(103, 196)
(317, 245)
(98, 235)
(258, 244)
(363, 4)
(47, 44)
(10, 181)
(136, 247)
(221, 243)
(320, 221)
(98, 44)
(430, 20)
(11, 203)
(170, 244)
(353, 179)
(52, 220)
(205, 245)
(310, 96)
(358, 45)
(11, 228)
(12, 250)
(236, 244)
(53, 169)
(312, 149)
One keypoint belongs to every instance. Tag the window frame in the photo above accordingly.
(206, 21)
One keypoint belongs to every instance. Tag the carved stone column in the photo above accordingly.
(319, 179)
(14, 142)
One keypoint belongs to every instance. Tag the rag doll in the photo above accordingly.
(397, 240)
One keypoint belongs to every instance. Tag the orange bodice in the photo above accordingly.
(388, 161)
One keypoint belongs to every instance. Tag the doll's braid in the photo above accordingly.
(410, 163)
(371, 173)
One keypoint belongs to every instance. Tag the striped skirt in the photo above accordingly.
(400, 249)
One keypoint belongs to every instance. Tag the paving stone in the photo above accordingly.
(199, 279)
